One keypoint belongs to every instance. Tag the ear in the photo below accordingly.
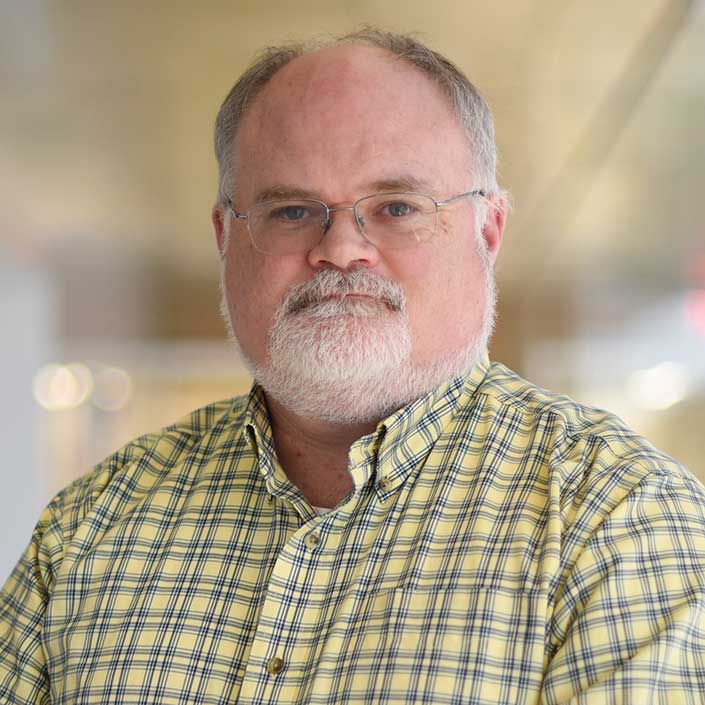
(218, 219)
(493, 229)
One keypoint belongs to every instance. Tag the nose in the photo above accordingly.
(343, 244)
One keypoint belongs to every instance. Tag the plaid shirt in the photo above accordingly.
(501, 545)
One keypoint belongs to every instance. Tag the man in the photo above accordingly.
(386, 518)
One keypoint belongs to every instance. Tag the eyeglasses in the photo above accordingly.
(387, 220)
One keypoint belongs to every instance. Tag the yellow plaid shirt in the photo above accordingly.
(501, 545)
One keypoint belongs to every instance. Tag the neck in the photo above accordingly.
(314, 453)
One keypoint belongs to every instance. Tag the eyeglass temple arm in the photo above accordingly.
(242, 216)
(476, 192)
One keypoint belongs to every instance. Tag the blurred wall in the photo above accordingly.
(26, 313)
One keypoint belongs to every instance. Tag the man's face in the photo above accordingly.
(335, 126)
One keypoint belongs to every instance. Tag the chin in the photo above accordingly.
(333, 385)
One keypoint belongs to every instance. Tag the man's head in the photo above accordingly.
(357, 324)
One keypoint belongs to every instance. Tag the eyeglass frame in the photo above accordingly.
(245, 215)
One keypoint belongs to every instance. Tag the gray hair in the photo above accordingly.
(468, 104)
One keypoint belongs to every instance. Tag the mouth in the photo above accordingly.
(368, 302)
(355, 297)
(348, 295)
(352, 295)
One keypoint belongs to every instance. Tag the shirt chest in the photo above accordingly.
(238, 597)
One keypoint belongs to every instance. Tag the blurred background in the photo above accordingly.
(108, 267)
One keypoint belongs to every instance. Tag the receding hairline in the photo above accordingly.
(377, 59)
(381, 53)
(353, 48)
(308, 49)
(464, 100)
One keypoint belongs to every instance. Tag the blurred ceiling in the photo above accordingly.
(105, 132)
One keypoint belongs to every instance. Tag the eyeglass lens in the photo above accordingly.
(387, 220)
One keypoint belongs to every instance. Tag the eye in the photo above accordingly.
(292, 213)
(398, 209)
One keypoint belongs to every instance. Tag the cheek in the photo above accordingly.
(256, 284)
(438, 272)
(424, 275)
(249, 309)
(445, 285)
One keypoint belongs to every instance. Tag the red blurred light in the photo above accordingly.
(696, 269)
(695, 311)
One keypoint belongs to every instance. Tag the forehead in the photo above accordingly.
(349, 108)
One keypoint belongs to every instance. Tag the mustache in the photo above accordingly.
(330, 283)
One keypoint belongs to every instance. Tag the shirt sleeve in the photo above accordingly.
(23, 601)
(628, 625)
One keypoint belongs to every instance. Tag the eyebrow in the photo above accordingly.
(400, 183)
(285, 192)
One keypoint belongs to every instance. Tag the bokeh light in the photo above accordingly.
(658, 387)
(113, 389)
(59, 387)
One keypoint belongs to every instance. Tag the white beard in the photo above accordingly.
(347, 360)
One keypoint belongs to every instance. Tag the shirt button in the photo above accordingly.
(384, 484)
(275, 665)
(312, 540)
(270, 499)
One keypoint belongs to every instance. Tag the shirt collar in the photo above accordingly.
(258, 433)
(408, 435)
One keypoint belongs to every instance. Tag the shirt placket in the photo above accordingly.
(279, 654)
(287, 633)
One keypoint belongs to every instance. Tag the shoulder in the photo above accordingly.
(533, 402)
(124, 478)
(588, 456)
(149, 457)
(570, 421)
